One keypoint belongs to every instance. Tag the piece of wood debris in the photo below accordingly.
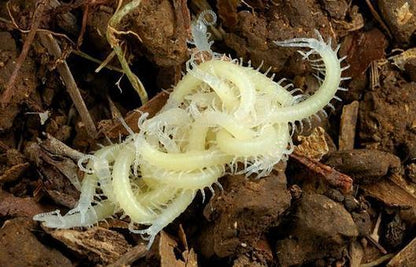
(356, 253)
(130, 256)
(188, 255)
(406, 257)
(13, 172)
(57, 147)
(328, 174)
(165, 249)
(393, 191)
(348, 126)
(53, 48)
(378, 261)
(98, 244)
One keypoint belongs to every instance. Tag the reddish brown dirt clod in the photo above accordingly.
(241, 214)
(23, 87)
(321, 229)
(19, 247)
(387, 114)
(363, 165)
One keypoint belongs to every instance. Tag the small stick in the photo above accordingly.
(130, 256)
(53, 48)
(83, 24)
(348, 126)
(376, 244)
(37, 17)
(106, 61)
(378, 18)
(95, 60)
(56, 147)
(332, 176)
(374, 75)
(374, 237)
(378, 261)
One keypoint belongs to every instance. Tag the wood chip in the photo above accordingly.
(356, 253)
(401, 59)
(167, 256)
(406, 257)
(394, 192)
(348, 126)
(188, 255)
(57, 147)
(97, 244)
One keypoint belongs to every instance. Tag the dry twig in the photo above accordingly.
(53, 48)
(348, 125)
(378, 18)
(37, 17)
(84, 24)
(331, 176)
(56, 147)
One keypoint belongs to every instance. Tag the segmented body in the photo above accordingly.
(221, 117)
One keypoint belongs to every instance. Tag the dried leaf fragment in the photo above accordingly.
(313, 146)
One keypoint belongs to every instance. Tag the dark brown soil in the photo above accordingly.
(303, 214)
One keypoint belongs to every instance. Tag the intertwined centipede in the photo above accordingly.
(222, 117)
